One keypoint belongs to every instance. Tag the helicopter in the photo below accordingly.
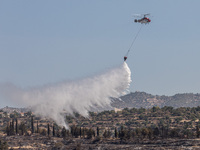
(144, 19)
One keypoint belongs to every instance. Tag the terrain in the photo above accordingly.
(145, 100)
(152, 124)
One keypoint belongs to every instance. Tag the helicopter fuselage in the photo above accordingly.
(144, 20)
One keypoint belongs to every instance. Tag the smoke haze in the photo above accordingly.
(55, 100)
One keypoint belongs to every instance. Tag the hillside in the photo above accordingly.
(141, 99)
(145, 100)
(134, 128)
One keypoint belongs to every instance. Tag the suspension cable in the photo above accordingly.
(134, 40)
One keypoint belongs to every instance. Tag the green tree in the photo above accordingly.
(156, 132)
(122, 133)
(53, 130)
(145, 132)
(73, 130)
(32, 125)
(28, 114)
(138, 132)
(8, 130)
(16, 126)
(197, 131)
(44, 132)
(174, 133)
(116, 133)
(76, 132)
(64, 132)
(58, 133)
(48, 129)
(22, 128)
(12, 127)
(128, 135)
(150, 134)
(37, 127)
(3, 145)
(97, 131)
(155, 108)
(105, 134)
(81, 133)
(90, 133)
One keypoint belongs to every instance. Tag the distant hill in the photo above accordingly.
(145, 100)
(140, 99)
(12, 109)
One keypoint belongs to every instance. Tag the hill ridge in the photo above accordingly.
(146, 100)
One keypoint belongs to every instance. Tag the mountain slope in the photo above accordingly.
(145, 100)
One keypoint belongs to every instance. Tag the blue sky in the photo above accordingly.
(49, 41)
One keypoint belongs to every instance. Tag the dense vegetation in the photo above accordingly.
(135, 124)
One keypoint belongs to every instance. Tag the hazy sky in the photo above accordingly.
(48, 41)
